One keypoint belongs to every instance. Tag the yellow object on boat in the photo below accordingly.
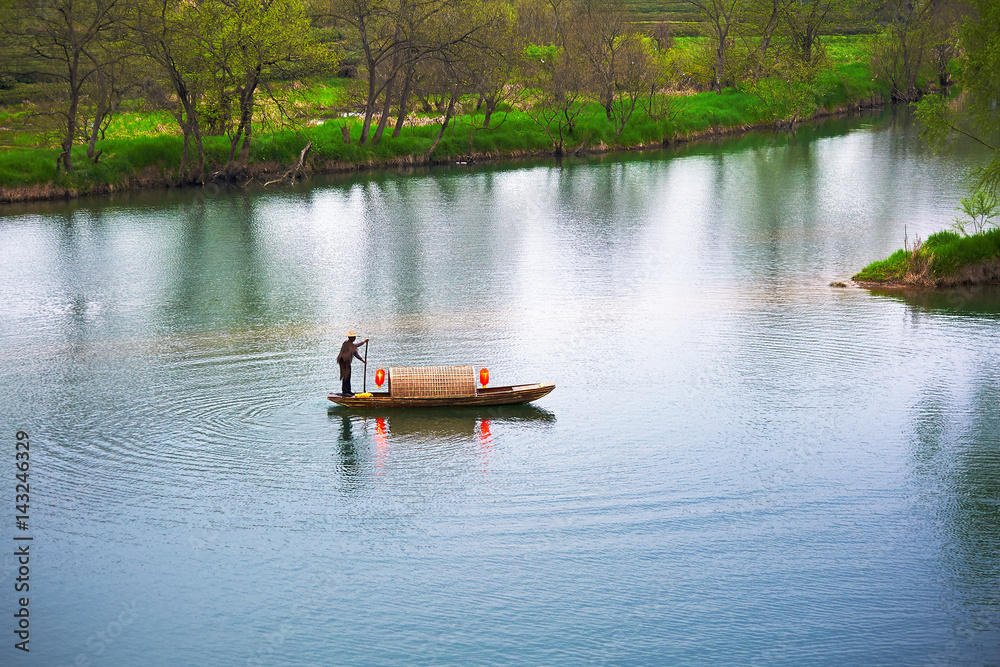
(364, 395)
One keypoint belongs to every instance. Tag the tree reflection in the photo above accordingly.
(957, 453)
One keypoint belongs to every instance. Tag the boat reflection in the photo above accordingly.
(446, 422)
(372, 438)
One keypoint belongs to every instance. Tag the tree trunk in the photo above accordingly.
(404, 101)
(94, 131)
(244, 130)
(187, 118)
(248, 128)
(102, 110)
(386, 106)
(491, 105)
(444, 125)
(184, 152)
(247, 140)
(199, 174)
(369, 109)
(719, 64)
(66, 156)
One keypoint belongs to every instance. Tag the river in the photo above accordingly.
(739, 464)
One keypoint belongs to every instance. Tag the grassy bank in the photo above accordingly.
(142, 149)
(945, 259)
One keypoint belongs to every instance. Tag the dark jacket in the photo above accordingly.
(348, 351)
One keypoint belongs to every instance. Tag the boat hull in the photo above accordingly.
(514, 395)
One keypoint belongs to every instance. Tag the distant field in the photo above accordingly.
(664, 10)
(682, 17)
(686, 20)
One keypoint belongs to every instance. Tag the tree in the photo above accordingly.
(167, 31)
(248, 43)
(117, 73)
(975, 114)
(978, 208)
(561, 80)
(636, 75)
(498, 66)
(786, 93)
(761, 22)
(721, 18)
(620, 65)
(64, 38)
(603, 33)
(396, 35)
(462, 60)
(807, 19)
(381, 41)
(900, 50)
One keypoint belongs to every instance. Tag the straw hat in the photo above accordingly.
(351, 334)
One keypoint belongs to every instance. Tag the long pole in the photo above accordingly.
(364, 380)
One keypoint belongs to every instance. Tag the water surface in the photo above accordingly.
(739, 465)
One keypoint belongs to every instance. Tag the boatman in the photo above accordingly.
(348, 351)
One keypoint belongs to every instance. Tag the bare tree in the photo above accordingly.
(167, 32)
(603, 31)
(247, 42)
(720, 17)
(901, 49)
(64, 37)
(117, 71)
(562, 83)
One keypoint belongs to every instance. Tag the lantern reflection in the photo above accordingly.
(381, 442)
(485, 445)
(418, 440)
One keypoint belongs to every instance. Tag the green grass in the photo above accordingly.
(138, 140)
(950, 252)
(133, 123)
(844, 48)
(21, 166)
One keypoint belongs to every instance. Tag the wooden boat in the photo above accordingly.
(439, 387)
(489, 396)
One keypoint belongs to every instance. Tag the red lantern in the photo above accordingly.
(484, 376)
(380, 377)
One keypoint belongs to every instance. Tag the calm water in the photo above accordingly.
(739, 464)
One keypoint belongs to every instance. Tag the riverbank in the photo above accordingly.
(145, 162)
(944, 260)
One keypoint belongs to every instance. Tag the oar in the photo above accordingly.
(364, 381)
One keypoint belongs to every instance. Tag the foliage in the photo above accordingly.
(915, 45)
(248, 44)
(520, 131)
(975, 113)
(71, 41)
(228, 84)
(720, 19)
(978, 208)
